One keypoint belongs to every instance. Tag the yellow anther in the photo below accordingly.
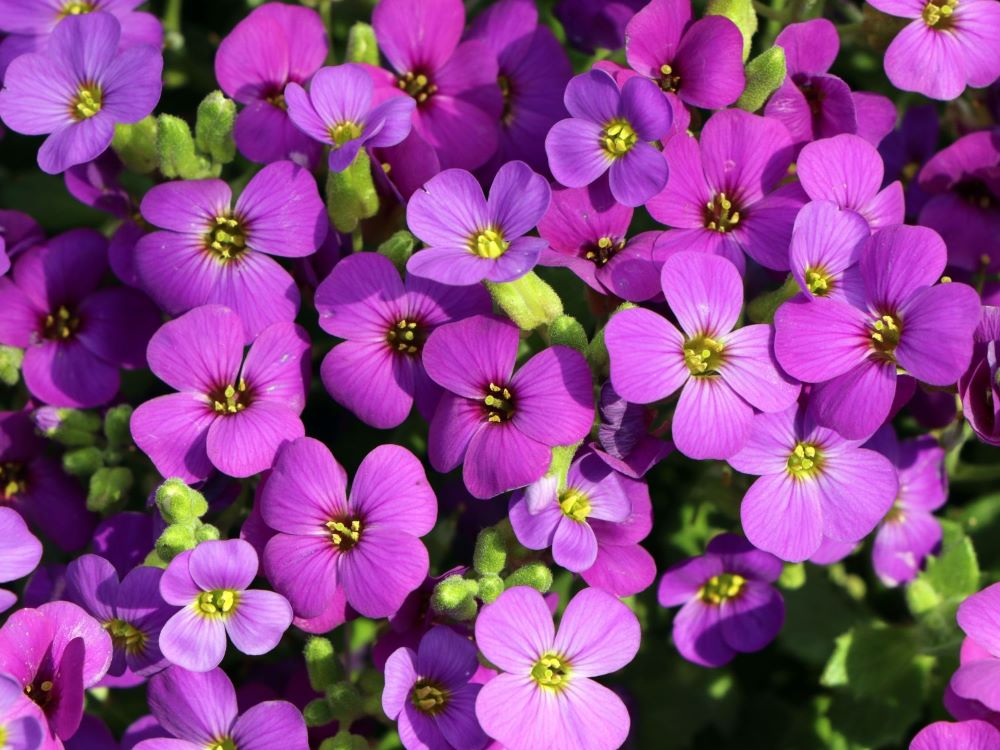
(575, 504)
(343, 535)
(618, 138)
(719, 214)
(703, 355)
(76, 8)
(499, 403)
(418, 86)
(343, 132)
(885, 332)
(87, 102)
(551, 671)
(226, 238)
(721, 588)
(938, 14)
(805, 460)
(488, 243)
(430, 697)
(217, 603)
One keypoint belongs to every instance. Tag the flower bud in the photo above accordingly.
(317, 713)
(83, 462)
(453, 594)
(176, 153)
(528, 301)
(116, 426)
(741, 13)
(108, 487)
(362, 47)
(213, 129)
(344, 740)
(178, 503)
(136, 145)
(567, 331)
(206, 533)
(490, 555)
(70, 427)
(175, 539)
(534, 574)
(490, 587)
(321, 663)
(10, 364)
(350, 195)
(344, 701)
(764, 74)
(398, 249)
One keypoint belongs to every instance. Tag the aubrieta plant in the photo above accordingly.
(499, 375)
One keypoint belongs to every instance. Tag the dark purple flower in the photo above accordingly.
(18, 232)
(502, 424)
(20, 553)
(979, 387)
(591, 25)
(729, 603)
(124, 539)
(624, 441)
(906, 149)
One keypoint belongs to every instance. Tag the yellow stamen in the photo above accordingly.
(551, 671)
(575, 504)
(217, 603)
(805, 461)
(489, 243)
(703, 355)
(721, 588)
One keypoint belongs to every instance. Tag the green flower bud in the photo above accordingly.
(116, 426)
(108, 487)
(345, 702)
(764, 74)
(490, 587)
(83, 462)
(178, 503)
(136, 145)
(398, 249)
(175, 539)
(362, 46)
(534, 574)
(490, 555)
(176, 153)
(528, 301)
(70, 427)
(10, 364)
(567, 331)
(206, 533)
(453, 595)
(321, 663)
(344, 740)
(741, 13)
(213, 129)
(350, 195)
(317, 713)
(793, 576)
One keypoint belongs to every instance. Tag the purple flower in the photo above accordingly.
(215, 254)
(979, 387)
(132, 611)
(623, 435)
(947, 46)
(723, 195)
(968, 735)
(609, 131)
(378, 371)
(471, 238)
(847, 170)
(454, 83)
(729, 603)
(724, 374)
(697, 63)
(21, 722)
(586, 231)
(54, 653)
(231, 412)
(274, 45)
(545, 697)
(364, 546)
(813, 484)
(199, 710)
(906, 149)
(125, 538)
(76, 335)
(20, 553)
(813, 104)
(428, 692)
(502, 424)
(852, 351)
(30, 22)
(211, 583)
(827, 243)
(591, 25)
(18, 232)
(78, 89)
(972, 691)
(337, 110)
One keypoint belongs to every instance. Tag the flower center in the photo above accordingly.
(975, 193)
(721, 588)
(87, 102)
(41, 693)
(125, 636)
(407, 337)
(60, 325)
(12, 480)
(805, 461)
(231, 400)
(76, 8)
(428, 696)
(551, 671)
(720, 215)
(277, 99)
(940, 15)
(217, 603)
(896, 514)
(345, 131)
(223, 743)
(499, 404)
(703, 355)
(417, 85)
(489, 243)
(507, 115)
(819, 282)
(575, 504)
(669, 81)
(3, 736)
(618, 138)
(885, 333)
(605, 249)
(226, 238)
(345, 534)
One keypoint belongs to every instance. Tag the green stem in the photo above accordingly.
(172, 16)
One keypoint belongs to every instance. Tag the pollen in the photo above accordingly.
(721, 588)
(87, 102)
(125, 636)
(721, 215)
(604, 250)
(345, 131)
(60, 325)
(226, 238)
(231, 400)
(277, 99)
(668, 79)
(429, 697)
(507, 91)
(217, 603)
(406, 337)
(345, 533)
(703, 355)
(940, 15)
(12, 481)
(618, 138)
(223, 743)
(575, 504)
(499, 402)
(76, 8)
(885, 333)
(41, 693)
(418, 86)
(805, 461)
(551, 671)
(819, 282)
(896, 514)
(489, 243)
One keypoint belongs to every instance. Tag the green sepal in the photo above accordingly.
(175, 539)
(318, 713)
(567, 331)
(321, 663)
(764, 74)
(398, 249)
(362, 46)
(490, 587)
(136, 145)
(213, 128)
(490, 555)
(742, 14)
(116, 426)
(535, 574)
(351, 195)
(345, 702)
(528, 301)
(10, 364)
(176, 154)
(762, 308)
(108, 487)
(179, 503)
(83, 462)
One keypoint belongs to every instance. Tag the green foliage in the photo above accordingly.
(764, 74)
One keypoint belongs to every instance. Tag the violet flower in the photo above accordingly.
(232, 412)
(624, 441)
(21, 723)
(20, 553)
(968, 735)
(976, 678)
(502, 424)
(979, 387)
(378, 372)
(825, 251)
(730, 604)
(591, 25)
(907, 149)
(546, 684)
(971, 692)
(30, 22)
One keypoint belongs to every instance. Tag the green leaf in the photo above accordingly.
(949, 577)
(764, 74)
(741, 13)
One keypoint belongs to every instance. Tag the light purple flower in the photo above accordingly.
(364, 546)
(729, 603)
(20, 552)
(813, 484)
(972, 691)
(21, 722)
(199, 710)
(723, 374)
(502, 424)
(78, 89)
(967, 735)
(132, 611)
(274, 45)
(825, 252)
(378, 371)
(232, 412)
(211, 583)
(723, 196)
(30, 22)
(610, 131)
(470, 237)
(545, 698)
(213, 253)
(429, 693)
(852, 351)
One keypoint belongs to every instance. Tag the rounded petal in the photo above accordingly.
(698, 635)
(198, 707)
(711, 419)
(172, 430)
(638, 175)
(193, 642)
(647, 356)
(245, 443)
(515, 630)
(449, 210)
(753, 619)
(259, 621)
(597, 634)
(783, 516)
(752, 371)
(576, 157)
(390, 489)
(553, 396)
(382, 569)
(704, 291)
(270, 724)
(518, 199)
(229, 564)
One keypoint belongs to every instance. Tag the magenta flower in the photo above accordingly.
(723, 195)
(724, 374)
(364, 546)
(131, 611)
(813, 484)
(979, 387)
(968, 735)
(947, 46)
(825, 251)
(231, 413)
(21, 723)
(213, 253)
(78, 89)
(610, 131)
(470, 237)
(429, 694)
(624, 440)
(378, 371)
(730, 605)
(972, 691)
(586, 229)
(211, 583)
(502, 424)
(54, 653)
(286, 44)
(852, 351)
(76, 335)
(664, 43)
(337, 110)
(545, 697)
(20, 553)
(198, 710)
(453, 83)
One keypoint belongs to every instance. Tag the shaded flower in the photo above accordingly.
(979, 387)
(20, 553)
(624, 441)
(906, 149)
(232, 412)
(21, 723)
(591, 25)
(30, 22)
(976, 678)
(968, 735)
